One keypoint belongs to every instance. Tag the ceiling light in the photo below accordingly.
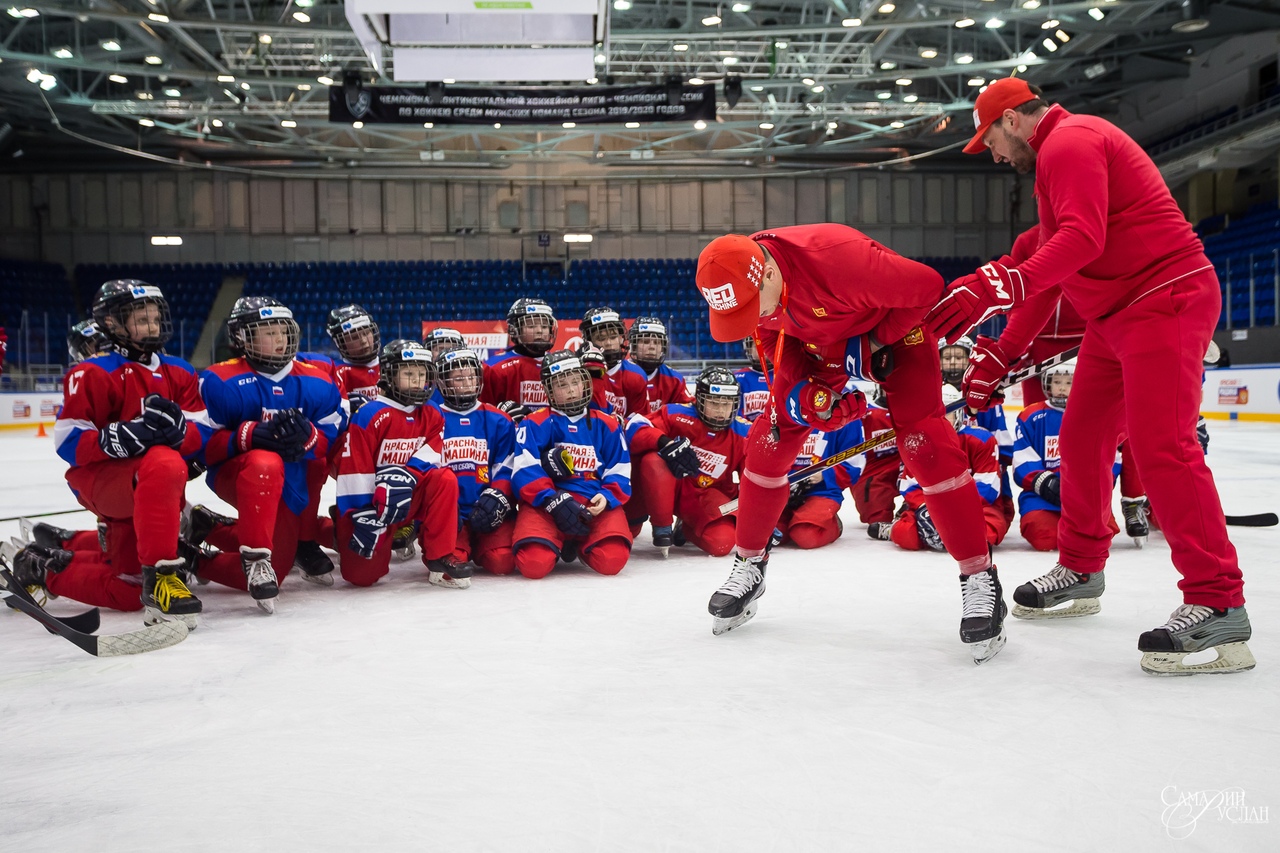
(910, 99)
(699, 125)
(22, 13)
(928, 52)
(884, 96)
(173, 93)
(325, 81)
(710, 20)
(1050, 24)
(34, 75)
(780, 45)
(1097, 14)
(568, 125)
(577, 238)
(888, 65)
(265, 38)
(153, 60)
(964, 58)
(226, 78)
(886, 8)
(1050, 45)
(832, 125)
(304, 87)
(217, 122)
(497, 125)
(1031, 4)
(357, 124)
(819, 89)
(591, 81)
(965, 22)
(766, 125)
(448, 80)
(165, 241)
(680, 47)
(851, 22)
(903, 81)
(145, 96)
(302, 17)
(118, 78)
(244, 86)
(304, 4)
(808, 81)
(1022, 69)
(622, 5)
(63, 53)
(632, 125)
(429, 125)
(731, 60)
(975, 82)
(109, 44)
(601, 59)
(146, 122)
(696, 81)
(1062, 36)
(288, 122)
(1095, 71)
(757, 88)
(158, 18)
(897, 124)
(742, 7)
(994, 24)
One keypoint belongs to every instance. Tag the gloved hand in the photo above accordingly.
(514, 410)
(1048, 485)
(593, 360)
(824, 409)
(393, 487)
(126, 439)
(970, 300)
(365, 532)
(354, 402)
(1202, 434)
(489, 511)
(294, 433)
(798, 492)
(928, 532)
(678, 453)
(557, 463)
(195, 468)
(165, 419)
(988, 365)
(573, 518)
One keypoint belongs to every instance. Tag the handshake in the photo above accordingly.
(288, 434)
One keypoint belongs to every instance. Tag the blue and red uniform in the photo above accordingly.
(810, 517)
(479, 447)
(755, 392)
(982, 449)
(665, 385)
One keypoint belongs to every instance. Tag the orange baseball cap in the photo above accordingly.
(730, 271)
(1007, 93)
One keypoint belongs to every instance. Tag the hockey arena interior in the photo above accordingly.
(402, 406)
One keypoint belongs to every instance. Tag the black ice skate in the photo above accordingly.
(982, 619)
(261, 578)
(402, 542)
(1137, 512)
(663, 540)
(734, 603)
(166, 597)
(32, 565)
(449, 573)
(199, 521)
(1196, 628)
(1041, 597)
(45, 535)
(315, 565)
(879, 530)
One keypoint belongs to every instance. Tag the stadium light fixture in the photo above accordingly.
(118, 78)
(851, 22)
(965, 22)
(110, 45)
(167, 240)
(578, 238)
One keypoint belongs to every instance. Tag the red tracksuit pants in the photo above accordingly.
(657, 492)
(877, 489)
(812, 524)
(927, 443)
(905, 534)
(489, 551)
(1139, 372)
(538, 542)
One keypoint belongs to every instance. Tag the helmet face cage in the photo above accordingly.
(532, 319)
(951, 394)
(752, 354)
(134, 316)
(645, 333)
(604, 325)
(563, 371)
(85, 341)
(459, 377)
(716, 383)
(1058, 400)
(354, 333)
(955, 360)
(441, 340)
(265, 333)
(405, 372)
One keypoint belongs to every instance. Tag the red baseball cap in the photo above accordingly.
(730, 270)
(1007, 93)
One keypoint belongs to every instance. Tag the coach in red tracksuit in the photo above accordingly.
(1130, 264)
(843, 296)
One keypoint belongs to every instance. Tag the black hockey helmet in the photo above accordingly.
(599, 323)
(85, 340)
(255, 317)
(125, 302)
(354, 333)
(557, 368)
(440, 339)
(405, 372)
(644, 331)
(955, 360)
(459, 376)
(749, 350)
(528, 316)
(716, 383)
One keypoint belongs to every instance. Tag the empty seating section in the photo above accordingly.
(41, 290)
(1245, 254)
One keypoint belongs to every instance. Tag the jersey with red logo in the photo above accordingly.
(511, 376)
(721, 454)
(110, 388)
(755, 392)
(384, 432)
(625, 390)
(596, 445)
(479, 446)
(982, 451)
(665, 385)
(361, 379)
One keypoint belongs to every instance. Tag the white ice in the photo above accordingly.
(590, 713)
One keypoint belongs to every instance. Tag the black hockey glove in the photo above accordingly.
(126, 439)
(165, 419)
(514, 410)
(1202, 434)
(557, 463)
(679, 455)
(489, 511)
(365, 532)
(195, 468)
(294, 433)
(393, 487)
(928, 533)
(799, 491)
(593, 360)
(354, 402)
(1048, 485)
(572, 517)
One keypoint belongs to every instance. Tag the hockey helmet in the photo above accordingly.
(566, 382)
(603, 328)
(440, 339)
(405, 372)
(1055, 393)
(459, 376)
(649, 342)
(264, 332)
(715, 384)
(531, 325)
(134, 315)
(955, 359)
(85, 340)
(354, 333)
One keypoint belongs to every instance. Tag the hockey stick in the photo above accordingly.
(44, 514)
(158, 636)
(889, 435)
(1262, 519)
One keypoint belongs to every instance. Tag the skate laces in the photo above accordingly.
(168, 588)
(745, 575)
(979, 595)
(1185, 617)
(260, 573)
(1059, 577)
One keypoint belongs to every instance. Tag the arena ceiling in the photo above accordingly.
(824, 83)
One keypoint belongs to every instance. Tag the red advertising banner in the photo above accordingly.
(487, 337)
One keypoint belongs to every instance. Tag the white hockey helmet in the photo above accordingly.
(1058, 399)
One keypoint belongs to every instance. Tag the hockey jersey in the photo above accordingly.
(821, 445)
(384, 432)
(361, 379)
(596, 444)
(110, 388)
(982, 451)
(626, 390)
(994, 422)
(479, 446)
(665, 385)
(508, 375)
(755, 392)
(1035, 449)
(721, 454)
(234, 393)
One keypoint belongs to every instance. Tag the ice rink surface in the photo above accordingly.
(586, 713)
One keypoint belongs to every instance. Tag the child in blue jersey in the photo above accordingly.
(572, 474)
(751, 381)
(810, 518)
(272, 415)
(955, 361)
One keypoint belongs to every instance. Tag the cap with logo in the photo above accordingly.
(1008, 93)
(730, 272)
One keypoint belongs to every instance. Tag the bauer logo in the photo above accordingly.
(720, 298)
(1185, 811)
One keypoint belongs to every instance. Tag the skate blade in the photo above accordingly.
(448, 581)
(1076, 607)
(325, 579)
(666, 551)
(1232, 657)
(405, 553)
(266, 605)
(1140, 542)
(152, 616)
(722, 626)
(985, 650)
(26, 525)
